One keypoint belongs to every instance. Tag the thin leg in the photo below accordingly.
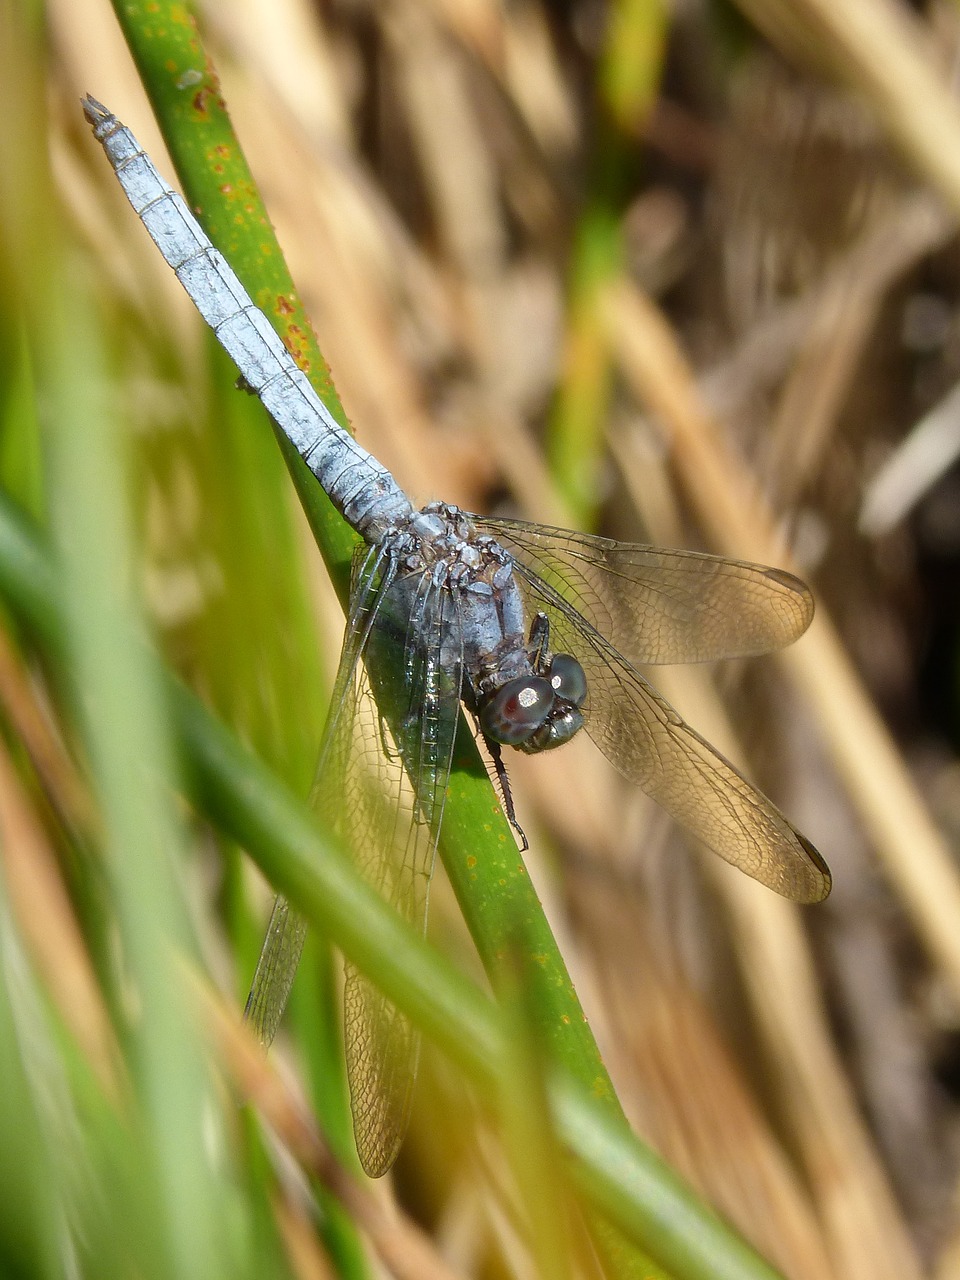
(539, 643)
(503, 781)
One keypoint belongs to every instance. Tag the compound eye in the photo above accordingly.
(517, 709)
(563, 723)
(567, 678)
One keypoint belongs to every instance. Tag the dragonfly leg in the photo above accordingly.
(386, 744)
(539, 643)
(503, 781)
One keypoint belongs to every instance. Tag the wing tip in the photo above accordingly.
(800, 593)
(819, 876)
(377, 1160)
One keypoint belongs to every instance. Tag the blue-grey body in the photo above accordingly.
(446, 608)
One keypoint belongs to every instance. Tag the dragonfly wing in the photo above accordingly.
(283, 944)
(279, 958)
(382, 788)
(657, 605)
(651, 744)
(381, 782)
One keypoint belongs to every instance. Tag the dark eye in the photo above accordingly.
(517, 709)
(567, 678)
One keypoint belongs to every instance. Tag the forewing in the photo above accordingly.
(657, 605)
(383, 788)
(646, 739)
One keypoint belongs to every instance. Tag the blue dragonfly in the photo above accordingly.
(538, 632)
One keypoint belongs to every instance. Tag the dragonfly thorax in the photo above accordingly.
(443, 540)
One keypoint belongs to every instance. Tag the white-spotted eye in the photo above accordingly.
(517, 710)
(567, 678)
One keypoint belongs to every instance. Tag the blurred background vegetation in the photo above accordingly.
(682, 275)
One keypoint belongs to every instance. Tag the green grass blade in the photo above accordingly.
(628, 78)
(29, 1203)
(115, 688)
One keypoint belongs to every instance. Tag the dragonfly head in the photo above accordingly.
(537, 712)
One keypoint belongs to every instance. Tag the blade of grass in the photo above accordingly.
(29, 1205)
(627, 80)
(112, 683)
(115, 691)
(528, 1136)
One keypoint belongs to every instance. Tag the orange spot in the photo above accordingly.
(284, 306)
(471, 861)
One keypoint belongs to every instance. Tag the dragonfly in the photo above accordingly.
(537, 631)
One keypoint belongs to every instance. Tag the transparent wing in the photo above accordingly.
(657, 605)
(642, 735)
(283, 943)
(276, 968)
(381, 783)
(387, 780)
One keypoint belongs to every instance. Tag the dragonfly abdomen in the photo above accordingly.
(361, 488)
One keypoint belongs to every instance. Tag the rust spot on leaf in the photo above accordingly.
(295, 341)
(207, 97)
